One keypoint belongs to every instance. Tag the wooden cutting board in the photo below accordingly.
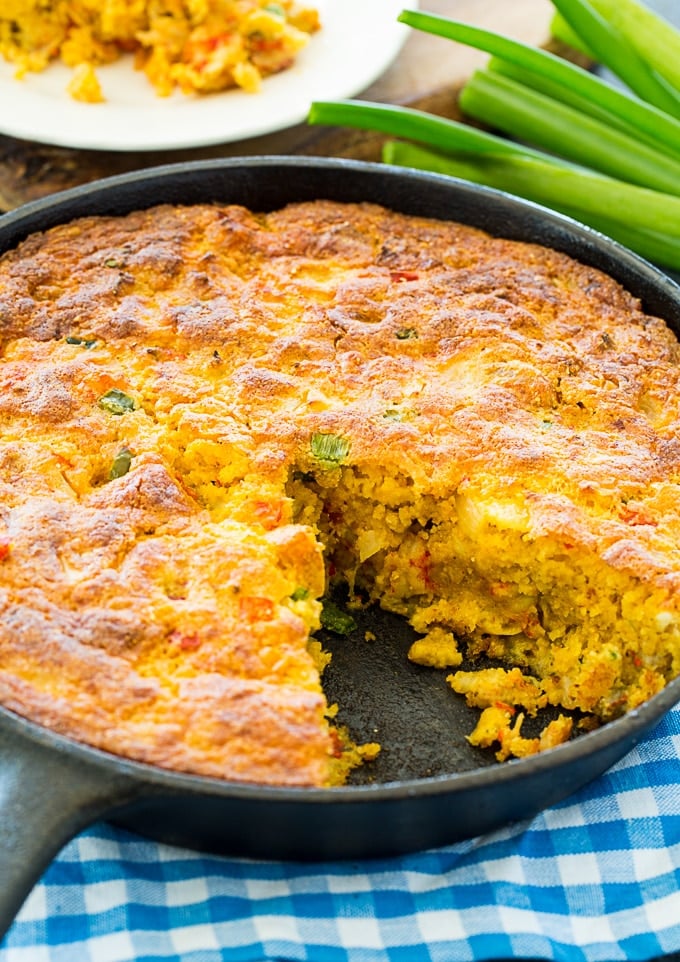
(428, 74)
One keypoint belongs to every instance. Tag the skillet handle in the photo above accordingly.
(46, 798)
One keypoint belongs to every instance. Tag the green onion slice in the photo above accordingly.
(335, 619)
(121, 464)
(116, 401)
(329, 447)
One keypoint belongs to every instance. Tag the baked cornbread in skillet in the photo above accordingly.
(207, 413)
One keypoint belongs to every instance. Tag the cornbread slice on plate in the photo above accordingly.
(196, 48)
(208, 414)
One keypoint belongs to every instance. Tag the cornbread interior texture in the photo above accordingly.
(208, 414)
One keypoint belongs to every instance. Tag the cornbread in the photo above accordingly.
(196, 46)
(209, 414)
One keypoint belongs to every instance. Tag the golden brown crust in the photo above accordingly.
(156, 612)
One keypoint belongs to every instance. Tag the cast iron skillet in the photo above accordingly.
(428, 788)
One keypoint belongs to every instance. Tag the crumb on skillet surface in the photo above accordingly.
(207, 413)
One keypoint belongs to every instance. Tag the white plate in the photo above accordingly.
(357, 42)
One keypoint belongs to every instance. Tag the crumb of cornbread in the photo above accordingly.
(501, 725)
(207, 413)
(84, 85)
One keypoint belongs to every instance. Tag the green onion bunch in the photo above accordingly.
(567, 139)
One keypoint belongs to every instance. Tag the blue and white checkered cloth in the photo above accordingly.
(594, 878)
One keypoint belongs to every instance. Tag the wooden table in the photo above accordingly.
(427, 73)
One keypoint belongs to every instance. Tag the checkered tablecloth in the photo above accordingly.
(594, 878)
